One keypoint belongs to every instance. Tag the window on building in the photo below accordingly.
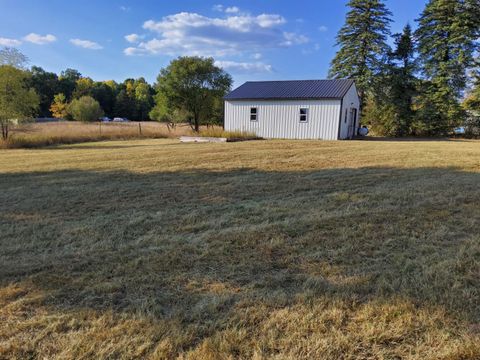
(346, 115)
(253, 114)
(303, 115)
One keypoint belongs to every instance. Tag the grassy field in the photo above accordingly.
(266, 249)
(33, 135)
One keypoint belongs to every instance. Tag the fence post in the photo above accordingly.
(140, 129)
(100, 127)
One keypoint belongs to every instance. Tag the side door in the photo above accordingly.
(352, 123)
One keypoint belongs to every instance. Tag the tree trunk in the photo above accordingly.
(4, 131)
(196, 120)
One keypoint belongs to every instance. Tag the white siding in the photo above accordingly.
(350, 101)
(280, 119)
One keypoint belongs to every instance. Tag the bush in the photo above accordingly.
(472, 125)
(85, 109)
(380, 118)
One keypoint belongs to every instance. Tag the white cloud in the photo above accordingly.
(133, 38)
(40, 39)
(125, 8)
(293, 39)
(244, 67)
(322, 28)
(228, 10)
(268, 21)
(193, 34)
(132, 51)
(86, 44)
(257, 56)
(232, 10)
(9, 42)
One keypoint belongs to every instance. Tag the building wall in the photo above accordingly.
(280, 119)
(350, 101)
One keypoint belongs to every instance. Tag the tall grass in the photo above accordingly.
(57, 133)
(45, 134)
(218, 132)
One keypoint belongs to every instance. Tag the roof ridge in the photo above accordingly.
(257, 81)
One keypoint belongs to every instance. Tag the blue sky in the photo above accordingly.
(252, 40)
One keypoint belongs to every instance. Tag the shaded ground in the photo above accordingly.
(264, 249)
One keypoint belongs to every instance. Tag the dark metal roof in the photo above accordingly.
(291, 90)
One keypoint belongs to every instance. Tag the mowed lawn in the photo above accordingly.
(265, 249)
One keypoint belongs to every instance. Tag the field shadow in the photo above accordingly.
(412, 139)
(194, 246)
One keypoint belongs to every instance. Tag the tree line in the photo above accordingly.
(132, 99)
(189, 90)
(428, 82)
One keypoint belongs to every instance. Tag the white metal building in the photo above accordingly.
(305, 109)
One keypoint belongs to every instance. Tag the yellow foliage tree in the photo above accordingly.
(59, 106)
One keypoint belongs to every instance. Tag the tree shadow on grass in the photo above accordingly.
(413, 139)
(197, 246)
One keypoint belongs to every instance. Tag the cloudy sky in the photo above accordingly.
(253, 40)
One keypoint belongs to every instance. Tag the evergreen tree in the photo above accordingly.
(363, 43)
(389, 110)
(447, 35)
(402, 80)
(472, 101)
(437, 111)
(447, 40)
(472, 105)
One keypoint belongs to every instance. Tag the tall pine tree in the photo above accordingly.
(447, 33)
(447, 41)
(402, 80)
(390, 111)
(363, 44)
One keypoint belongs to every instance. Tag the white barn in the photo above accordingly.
(304, 109)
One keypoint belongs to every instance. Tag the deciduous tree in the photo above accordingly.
(83, 87)
(18, 102)
(59, 106)
(85, 109)
(192, 84)
(68, 81)
(124, 105)
(163, 113)
(13, 57)
(143, 99)
(46, 85)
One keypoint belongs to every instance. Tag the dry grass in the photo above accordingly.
(45, 134)
(275, 249)
(218, 132)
